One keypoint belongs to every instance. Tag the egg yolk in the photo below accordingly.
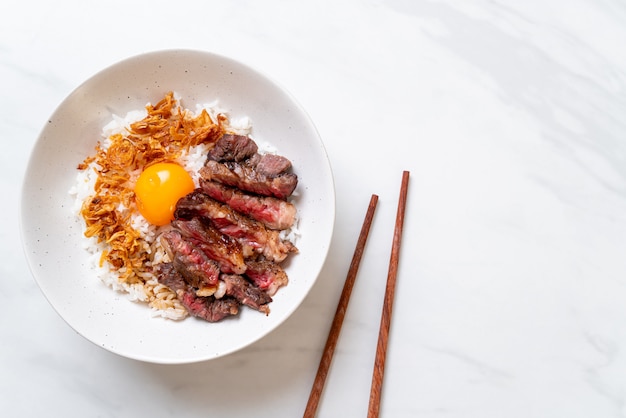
(157, 190)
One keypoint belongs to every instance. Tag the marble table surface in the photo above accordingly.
(511, 292)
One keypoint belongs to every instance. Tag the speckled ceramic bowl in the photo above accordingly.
(52, 234)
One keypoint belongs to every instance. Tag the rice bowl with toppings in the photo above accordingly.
(53, 238)
(121, 235)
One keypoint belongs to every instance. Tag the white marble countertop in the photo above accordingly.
(511, 118)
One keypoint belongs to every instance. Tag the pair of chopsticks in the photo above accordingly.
(385, 320)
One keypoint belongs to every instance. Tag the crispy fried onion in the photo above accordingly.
(166, 132)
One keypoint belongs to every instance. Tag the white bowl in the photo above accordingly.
(52, 234)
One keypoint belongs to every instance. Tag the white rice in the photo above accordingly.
(161, 299)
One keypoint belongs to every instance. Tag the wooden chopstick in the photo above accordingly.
(385, 320)
(340, 313)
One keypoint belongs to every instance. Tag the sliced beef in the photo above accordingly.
(271, 165)
(216, 245)
(232, 147)
(246, 293)
(274, 213)
(225, 242)
(167, 275)
(207, 308)
(248, 232)
(245, 176)
(266, 275)
(191, 262)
